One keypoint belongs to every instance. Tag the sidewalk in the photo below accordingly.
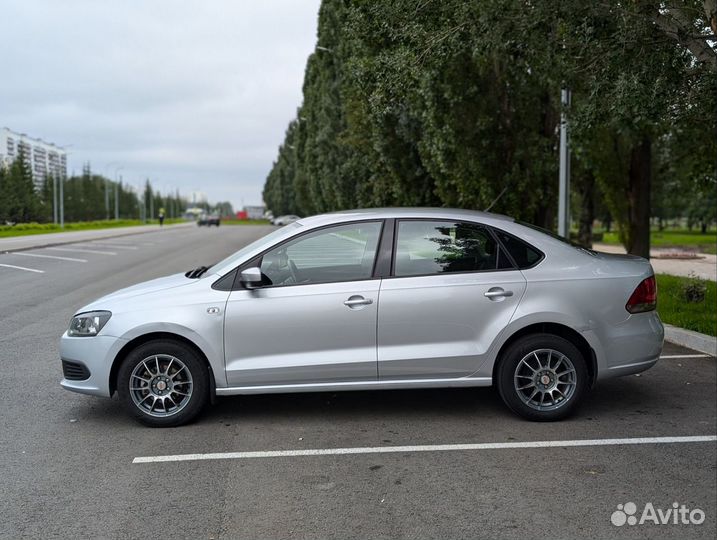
(19, 243)
(704, 267)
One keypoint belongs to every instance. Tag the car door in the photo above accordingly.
(451, 292)
(315, 320)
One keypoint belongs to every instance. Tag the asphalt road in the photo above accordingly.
(66, 460)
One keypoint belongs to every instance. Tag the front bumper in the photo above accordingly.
(96, 354)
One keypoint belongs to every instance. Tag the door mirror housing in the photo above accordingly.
(251, 278)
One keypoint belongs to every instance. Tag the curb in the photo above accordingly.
(93, 239)
(690, 339)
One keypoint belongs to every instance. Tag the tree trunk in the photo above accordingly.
(587, 210)
(638, 195)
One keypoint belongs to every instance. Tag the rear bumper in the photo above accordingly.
(632, 346)
(96, 354)
(631, 369)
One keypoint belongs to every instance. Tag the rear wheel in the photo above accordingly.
(542, 377)
(163, 383)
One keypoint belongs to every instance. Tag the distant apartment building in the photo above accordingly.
(42, 157)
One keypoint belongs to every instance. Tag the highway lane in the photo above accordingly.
(66, 459)
(13, 243)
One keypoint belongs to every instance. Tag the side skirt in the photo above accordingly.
(360, 385)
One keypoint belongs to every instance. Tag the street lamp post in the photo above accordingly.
(62, 203)
(54, 199)
(62, 190)
(107, 200)
(117, 198)
(564, 177)
(117, 170)
(107, 189)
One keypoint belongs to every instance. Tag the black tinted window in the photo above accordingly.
(523, 254)
(436, 247)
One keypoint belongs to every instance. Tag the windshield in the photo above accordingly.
(237, 256)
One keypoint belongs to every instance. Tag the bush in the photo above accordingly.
(673, 309)
(694, 289)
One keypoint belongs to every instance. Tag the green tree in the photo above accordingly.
(457, 104)
(20, 202)
(4, 194)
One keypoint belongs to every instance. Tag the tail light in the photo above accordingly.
(644, 298)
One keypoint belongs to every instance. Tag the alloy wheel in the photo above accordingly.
(161, 385)
(545, 379)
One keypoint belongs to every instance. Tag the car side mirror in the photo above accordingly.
(251, 278)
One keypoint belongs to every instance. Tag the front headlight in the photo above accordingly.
(88, 324)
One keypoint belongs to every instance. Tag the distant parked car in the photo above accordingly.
(208, 220)
(285, 220)
(375, 299)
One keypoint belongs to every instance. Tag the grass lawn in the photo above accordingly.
(704, 243)
(674, 309)
(24, 229)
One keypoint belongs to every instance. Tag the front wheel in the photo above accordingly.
(542, 377)
(163, 383)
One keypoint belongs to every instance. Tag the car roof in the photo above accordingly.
(403, 212)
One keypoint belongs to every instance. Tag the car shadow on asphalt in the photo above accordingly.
(617, 400)
(621, 395)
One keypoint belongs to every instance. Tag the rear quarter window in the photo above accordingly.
(522, 253)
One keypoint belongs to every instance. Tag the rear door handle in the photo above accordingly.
(497, 292)
(358, 301)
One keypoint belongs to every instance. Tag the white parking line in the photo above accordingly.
(50, 257)
(22, 268)
(116, 246)
(698, 355)
(424, 448)
(82, 251)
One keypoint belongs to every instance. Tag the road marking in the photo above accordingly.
(50, 257)
(82, 250)
(120, 246)
(424, 448)
(23, 268)
(698, 355)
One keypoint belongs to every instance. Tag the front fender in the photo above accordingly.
(213, 348)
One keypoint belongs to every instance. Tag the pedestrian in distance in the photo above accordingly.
(161, 217)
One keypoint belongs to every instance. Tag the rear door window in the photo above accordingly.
(426, 247)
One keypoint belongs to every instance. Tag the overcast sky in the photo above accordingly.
(194, 95)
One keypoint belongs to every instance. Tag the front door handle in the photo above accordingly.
(358, 301)
(497, 292)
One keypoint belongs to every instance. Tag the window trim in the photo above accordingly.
(510, 257)
(254, 261)
(383, 264)
(488, 228)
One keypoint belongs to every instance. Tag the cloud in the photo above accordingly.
(195, 95)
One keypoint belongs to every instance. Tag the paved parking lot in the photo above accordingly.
(70, 469)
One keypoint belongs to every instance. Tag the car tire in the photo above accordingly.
(163, 383)
(554, 367)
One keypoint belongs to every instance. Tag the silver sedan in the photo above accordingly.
(374, 299)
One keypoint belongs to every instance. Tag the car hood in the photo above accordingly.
(141, 289)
